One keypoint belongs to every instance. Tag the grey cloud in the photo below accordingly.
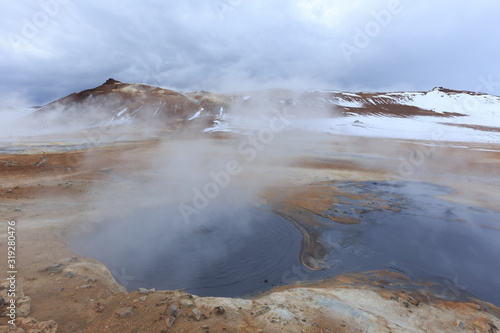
(220, 45)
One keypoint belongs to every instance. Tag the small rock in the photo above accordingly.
(23, 306)
(55, 268)
(196, 314)
(27, 321)
(179, 292)
(143, 298)
(98, 307)
(48, 326)
(173, 311)
(274, 319)
(207, 328)
(124, 312)
(72, 259)
(220, 310)
(9, 190)
(17, 209)
(2, 302)
(170, 321)
(186, 303)
(87, 279)
(70, 274)
(261, 310)
(143, 291)
(85, 286)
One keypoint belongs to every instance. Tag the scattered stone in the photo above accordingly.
(173, 311)
(34, 326)
(274, 319)
(17, 209)
(23, 306)
(124, 312)
(87, 279)
(196, 314)
(48, 326)
(179, 292)
(220, 310)
(70, 274)
(2, 302)
(27, 321)
(170, 321)
(72, 259)
(9, 190)
(85, 286)
(186, 303)
(143, 291)
(99, 307)
(261, 310)
(143, 298)
(55, 268)
(207, 328)
(162, 301)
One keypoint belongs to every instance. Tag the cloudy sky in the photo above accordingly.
(50, 48)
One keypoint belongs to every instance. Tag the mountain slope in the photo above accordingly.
(466, 116)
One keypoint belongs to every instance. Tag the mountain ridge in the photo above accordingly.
(116, 103)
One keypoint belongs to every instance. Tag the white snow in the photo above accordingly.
(418, 128)
(119, 114)
(346, 103)
(479, 110)
(196, 115)
(351, 94)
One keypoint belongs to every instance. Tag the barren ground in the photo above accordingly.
(53, 194)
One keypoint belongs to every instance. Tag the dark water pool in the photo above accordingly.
(235, 252)
(454, 245)
(239, 252)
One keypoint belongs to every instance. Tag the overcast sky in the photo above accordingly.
(51, 48)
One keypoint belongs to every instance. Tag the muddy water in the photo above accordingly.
(239, 252)
(454, 245)
(234, 252)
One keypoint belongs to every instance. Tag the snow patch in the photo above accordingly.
(196, 115)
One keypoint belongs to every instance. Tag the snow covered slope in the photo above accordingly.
(436, 115)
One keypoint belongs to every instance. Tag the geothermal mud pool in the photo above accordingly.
(453, 245)
(230, 252)
(241, 252)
